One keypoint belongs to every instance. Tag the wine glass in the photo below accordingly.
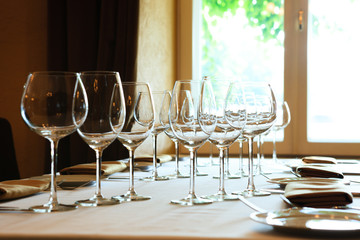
(230, 114)
(170, 134)
(54, 105)
(177, 173)
(139, 122)
(103, 123)
(161, 102)
(283, 119)
(192, 121)
(260, 118)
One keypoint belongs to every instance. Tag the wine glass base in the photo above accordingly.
(232, 176)
(201, 174)
(131, 197)
(157, 178)
(177, 175)
(220, 197)
(98, 201)
(252, 193)
(190, 201)
(46, 208)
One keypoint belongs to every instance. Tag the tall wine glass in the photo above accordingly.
(260, 118)
(229, 109)
(161, 102)
(177, 173)
(139, 122)
(283, 118)
(54, 105)
(192, 121)
(104, 122)
(170, 134)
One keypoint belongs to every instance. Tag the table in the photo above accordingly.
(152, 219)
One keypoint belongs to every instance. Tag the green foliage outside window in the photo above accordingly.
(264, 14)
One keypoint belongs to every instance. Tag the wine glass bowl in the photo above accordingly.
(54, 105)
(192, 121)
(139, 123)
(103, 123)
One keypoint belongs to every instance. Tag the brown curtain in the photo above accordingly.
(92, 35)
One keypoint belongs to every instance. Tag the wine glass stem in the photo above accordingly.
(192, 172)
(155, 173)
(222, 170)
(274, 147)
(53, 194)
(98, 172)
(177, 158)
(226, 157)
(131, 169)
(251, 185)
(241, 164)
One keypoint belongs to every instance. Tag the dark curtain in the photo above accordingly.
(92, 35)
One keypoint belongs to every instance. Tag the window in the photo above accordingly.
(306, 49)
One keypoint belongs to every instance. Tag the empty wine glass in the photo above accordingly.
(161, 102)
(139, 122)
(260, 118)
(283, 119)
(230, 114)
(54, 105)
(103, 123)
(170, 134)
(192, 121)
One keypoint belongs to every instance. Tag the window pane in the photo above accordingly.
(244, 40)
(333, 80)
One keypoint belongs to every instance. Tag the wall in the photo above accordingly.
(22, 50)
(157, 55)
(23, 37)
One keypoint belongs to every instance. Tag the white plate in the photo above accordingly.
(330, 220)
(285, 180)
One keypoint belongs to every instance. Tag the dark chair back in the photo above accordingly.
(8, 166)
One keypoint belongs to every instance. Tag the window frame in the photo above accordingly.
(295, 142)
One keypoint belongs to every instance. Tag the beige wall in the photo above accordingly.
(156, 56)
(23, 50)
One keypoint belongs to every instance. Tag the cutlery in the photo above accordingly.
(74, 184)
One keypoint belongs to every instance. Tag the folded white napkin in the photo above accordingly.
(319, 159)
(316, 194)
(319, 170)
(20, 188)
(107, 168)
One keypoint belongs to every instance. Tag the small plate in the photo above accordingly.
(285, 180)
(319, 219)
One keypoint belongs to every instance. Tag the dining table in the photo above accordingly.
(157, 218)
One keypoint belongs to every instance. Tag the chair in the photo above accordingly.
(8, 166)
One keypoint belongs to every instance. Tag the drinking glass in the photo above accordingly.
(54, 105)
(103, 123)
(241, 171)
(283, 118)
(161, 102)
(139, 122)
(260, 118)
(192, 121)
(177, 173)
(229, 109)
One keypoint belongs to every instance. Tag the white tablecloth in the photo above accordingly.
(152, 219)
